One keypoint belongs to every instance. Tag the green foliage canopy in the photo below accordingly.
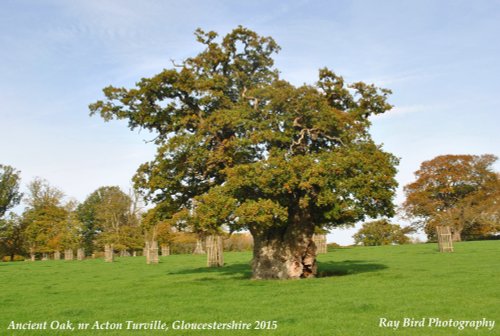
(224, 119)
(10, 195)
(108, 218)
(382, 232)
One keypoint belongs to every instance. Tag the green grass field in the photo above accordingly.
(359, 286)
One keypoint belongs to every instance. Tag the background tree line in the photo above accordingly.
(50, 222)
(460, 191)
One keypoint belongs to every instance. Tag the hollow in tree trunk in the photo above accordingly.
(285, 252)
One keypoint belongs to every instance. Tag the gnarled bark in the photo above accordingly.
(284, 253)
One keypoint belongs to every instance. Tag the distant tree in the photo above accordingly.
(44, 217)
(9, 189)
(382, 232)
(70, 230)
(156, 227)
(461, 191)
(241, 148)
(12, 236)
(109, 216)
(86, 213)
(41, 193)
(475, 216)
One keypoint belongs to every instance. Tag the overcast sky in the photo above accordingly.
(440, 58)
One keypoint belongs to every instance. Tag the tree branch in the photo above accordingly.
(255, 100)
(311, 132)
(177, 65)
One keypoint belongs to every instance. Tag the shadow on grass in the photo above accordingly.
(238, 271)
(347, 267)
(325, 269)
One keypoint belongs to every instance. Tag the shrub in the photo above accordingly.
(16, 258)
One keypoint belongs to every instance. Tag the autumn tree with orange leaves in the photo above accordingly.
(460, 191)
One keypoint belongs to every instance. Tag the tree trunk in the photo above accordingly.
(285, 253)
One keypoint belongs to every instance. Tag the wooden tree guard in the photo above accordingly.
(165, 250)
(45, 256)
(108, 253)
(68, 254)
(146, 251)
(199, 247)
(57, 255)
(124, 253)
(80, 254)
(215, 256)
(151, 251)
(32, 256)
(320, 242)
(444, 239)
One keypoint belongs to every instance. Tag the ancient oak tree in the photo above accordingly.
(241, 148)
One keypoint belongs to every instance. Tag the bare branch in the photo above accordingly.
(296, 122)
(255, 100)
(177, 65)
(334, 139)
(314, 133)
(152, 140)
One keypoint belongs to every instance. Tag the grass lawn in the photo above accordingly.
(359, 286)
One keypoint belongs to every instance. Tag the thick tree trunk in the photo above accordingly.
(285, 253)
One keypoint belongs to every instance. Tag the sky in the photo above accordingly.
(441, 59)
